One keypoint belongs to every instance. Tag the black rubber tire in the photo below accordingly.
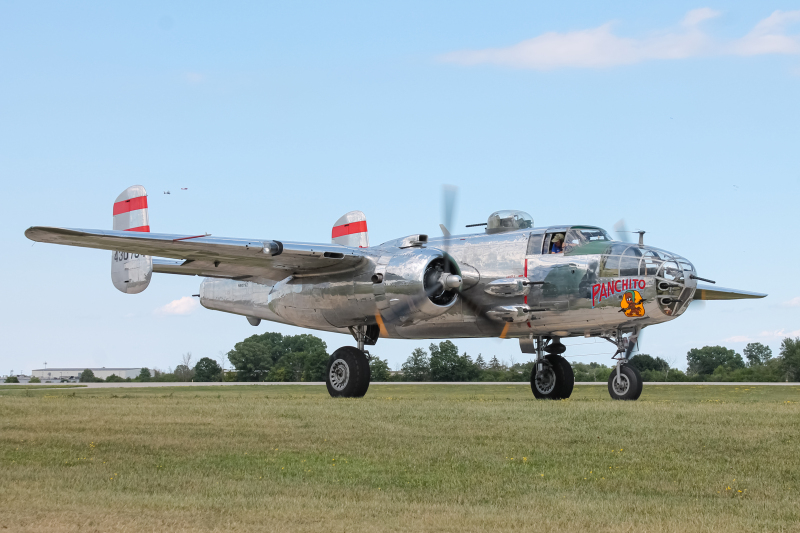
(564, 379)
(355, 363)
(367, 377)
(568, 383)
(635, 383)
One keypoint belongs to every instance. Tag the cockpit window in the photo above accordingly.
(535, 244)
(578, 236)
(554, 243)
(629, 262)
(671, 272)
(650, 263)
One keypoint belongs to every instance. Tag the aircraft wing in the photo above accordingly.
(709, 292)
(221, 257)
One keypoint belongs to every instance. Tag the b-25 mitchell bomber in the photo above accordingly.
(539, 285)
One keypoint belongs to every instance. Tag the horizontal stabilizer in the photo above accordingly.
(709, 292)
(169, 266)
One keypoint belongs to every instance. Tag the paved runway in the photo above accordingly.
(126, 385)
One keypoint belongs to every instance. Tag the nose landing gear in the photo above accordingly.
(625, 381)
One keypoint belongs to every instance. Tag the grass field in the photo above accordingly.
(405, 458)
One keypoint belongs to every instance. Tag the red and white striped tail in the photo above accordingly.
(131, 273)
(130, 210)
(351, 230)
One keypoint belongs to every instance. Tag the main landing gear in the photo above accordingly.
(348, 373)
(551, 377)
(625, 381)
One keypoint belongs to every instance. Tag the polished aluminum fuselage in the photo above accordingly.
(565, 304)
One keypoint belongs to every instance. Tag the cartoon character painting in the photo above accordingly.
(632, 304)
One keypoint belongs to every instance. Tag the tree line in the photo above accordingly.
(277, 357)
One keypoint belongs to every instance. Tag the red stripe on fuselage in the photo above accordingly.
(145, 229)
(349, 229)
(526, 296)
(125, 206)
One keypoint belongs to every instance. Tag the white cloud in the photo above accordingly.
(779, 334)
(600, 47)
(738, 338)
(696, 16)
(794, 302)
(768, 37)
(182, 306)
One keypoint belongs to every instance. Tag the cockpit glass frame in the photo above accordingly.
(586, 239)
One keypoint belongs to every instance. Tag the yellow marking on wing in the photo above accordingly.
(379, 320)
(505, 330)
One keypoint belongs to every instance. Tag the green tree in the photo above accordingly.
(417, 367)
(165, 376)
(644, 362)
(480, 363)
(790, 358)
(757, 354)
(144, 374)
(113, 378)
(12, 379)
(87, 376)
(184, 373)
(207, 369)
(379, 369)
(253, 357)
(705, 360)
(274, 357)
(591, 371)
(494, 364)
(34, 379)
(305, 358)
(447, 365)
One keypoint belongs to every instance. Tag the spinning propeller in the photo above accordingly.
(442, 281)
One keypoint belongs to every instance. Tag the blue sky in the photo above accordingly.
(684, 119)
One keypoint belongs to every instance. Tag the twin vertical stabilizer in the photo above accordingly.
(351, 230)
(130, 273)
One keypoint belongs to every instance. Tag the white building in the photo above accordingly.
(58, 374)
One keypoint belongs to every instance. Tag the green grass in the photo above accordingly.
(405, 458)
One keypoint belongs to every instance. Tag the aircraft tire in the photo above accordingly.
(568, 383)
(347, 374)
(556, 380)
(632, 384)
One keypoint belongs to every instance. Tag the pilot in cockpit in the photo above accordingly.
(557, 243)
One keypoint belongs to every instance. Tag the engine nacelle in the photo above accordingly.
(416, 285)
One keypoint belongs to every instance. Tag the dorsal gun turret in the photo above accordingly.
(508, 220)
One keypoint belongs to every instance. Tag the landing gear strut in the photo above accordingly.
(551, 377)
(625, 381)
(348, 373)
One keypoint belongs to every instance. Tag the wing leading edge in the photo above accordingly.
(709, 292)
(203, 255)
